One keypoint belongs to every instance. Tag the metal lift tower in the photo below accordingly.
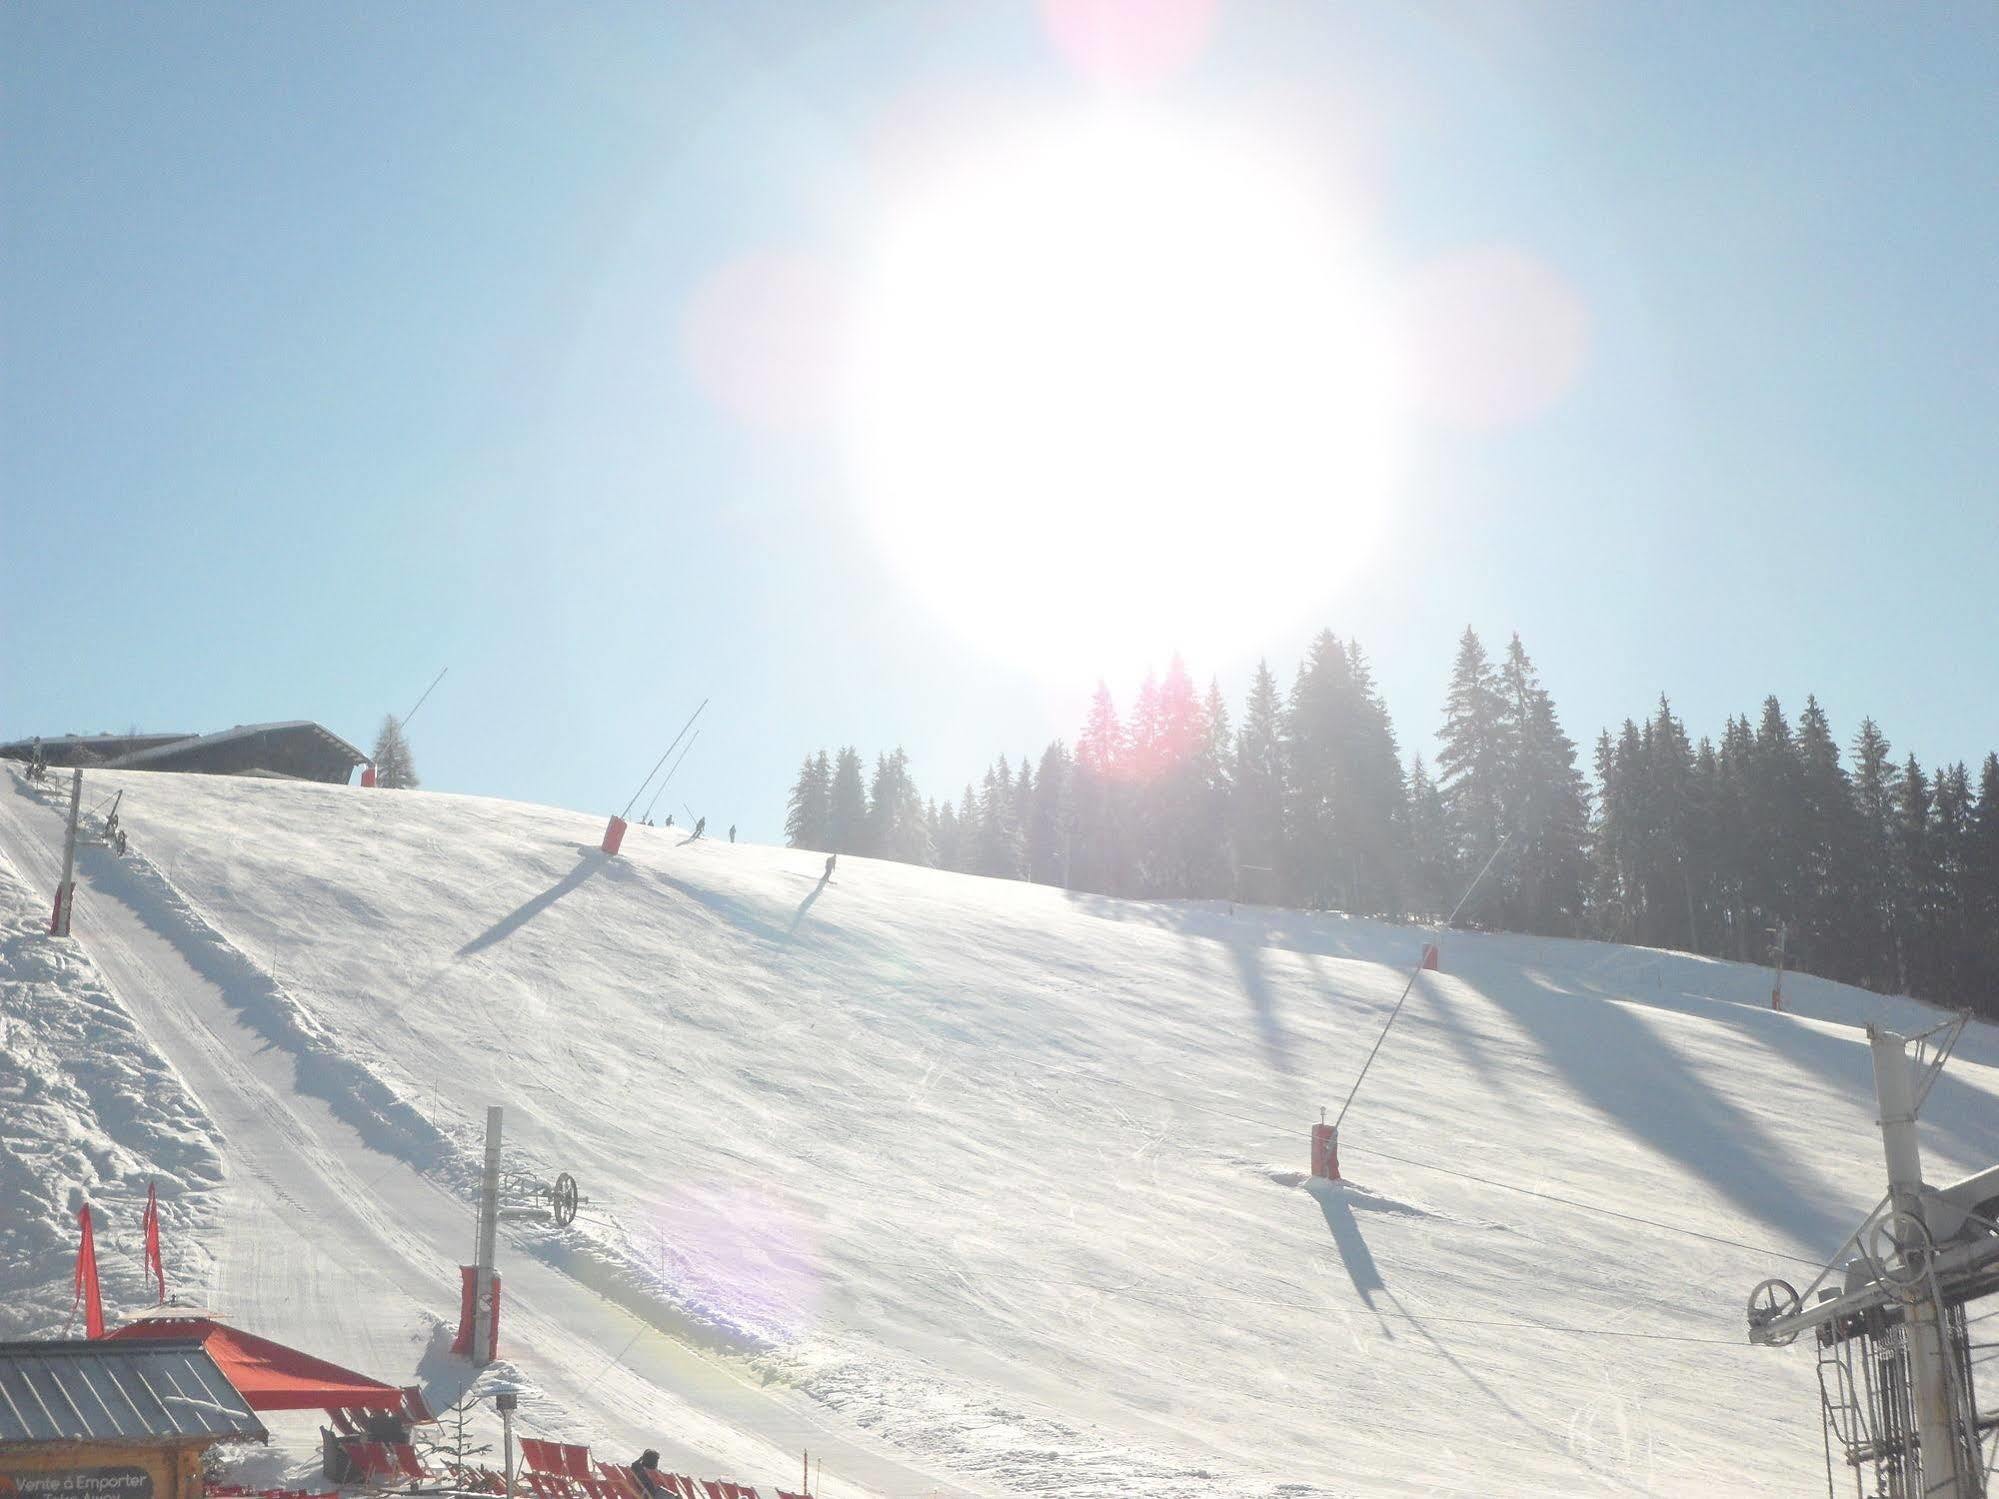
(1896, 1392)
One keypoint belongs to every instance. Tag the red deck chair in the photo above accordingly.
(548, 1485)
(618, 1482)
(416, 1409)
(373, 1459)
(535, 1453)
(688, 1488)
(574, 1460)
(410, 1465)
(342, 1423)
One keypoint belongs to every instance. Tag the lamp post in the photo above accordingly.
(505, 1402)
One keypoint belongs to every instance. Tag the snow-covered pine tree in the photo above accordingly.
(394, 768)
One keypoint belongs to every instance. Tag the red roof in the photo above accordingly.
(271, 1376)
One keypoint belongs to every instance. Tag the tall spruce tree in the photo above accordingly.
(1472, 757)
(1546, 805)
(394, 768)
(847, 806)
(1099, 798)
(1048, 820)
(1256, 807)
(1873, 867)
(1826, 844)
(808, 813)
(1981, 891)
(1429, 845)
(1917, 879)
(897, 825)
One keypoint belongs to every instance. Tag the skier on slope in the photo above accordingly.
(829, 866)
(732, 832)
(700, 826)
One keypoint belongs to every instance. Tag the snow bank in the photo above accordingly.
(88, 1111)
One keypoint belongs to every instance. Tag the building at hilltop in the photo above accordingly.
(298, 750)
(89, 1419)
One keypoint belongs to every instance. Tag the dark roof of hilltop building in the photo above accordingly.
(87, 749)
(146, 1393)
(297, 749)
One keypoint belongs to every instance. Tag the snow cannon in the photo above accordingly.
(1326, 1150)
(1430, 958)
(614, 835)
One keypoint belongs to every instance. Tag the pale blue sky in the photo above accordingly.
(342, 343)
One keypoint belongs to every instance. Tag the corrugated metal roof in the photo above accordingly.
(94, 1391)
(140, 758)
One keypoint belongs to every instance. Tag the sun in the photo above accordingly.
(1120, 385)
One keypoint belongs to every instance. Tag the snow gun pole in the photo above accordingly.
(669, 774)
(405, 719)
(66, 891)
(626, 814)
(1476, 882)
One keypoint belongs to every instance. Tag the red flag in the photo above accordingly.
(152, 1227)
(86, 1278)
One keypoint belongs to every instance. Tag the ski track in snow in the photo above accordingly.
(968, 1184)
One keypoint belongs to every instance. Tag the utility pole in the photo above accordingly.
(489, 1232)
(1935, 1428)
(66, 891)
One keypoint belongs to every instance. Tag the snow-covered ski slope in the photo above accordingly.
(980, 1187)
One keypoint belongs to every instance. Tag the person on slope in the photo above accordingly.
(732, 832)
(829, 865)
(646, 1471)
(700, 826)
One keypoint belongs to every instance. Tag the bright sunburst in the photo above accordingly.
(1121, 386)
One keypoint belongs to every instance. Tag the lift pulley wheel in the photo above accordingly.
(1897, 1248)
(1771, 1300)
(564, 1200)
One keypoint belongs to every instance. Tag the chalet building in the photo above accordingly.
(299, 751)
(113, 1420)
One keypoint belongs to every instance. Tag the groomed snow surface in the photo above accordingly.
(969, 1186)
